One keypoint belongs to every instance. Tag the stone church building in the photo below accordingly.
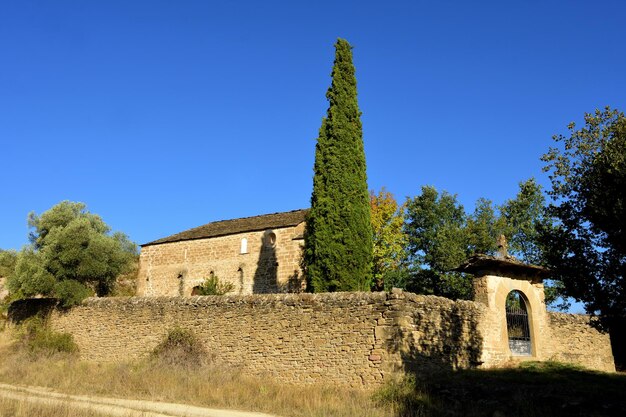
(259, 254)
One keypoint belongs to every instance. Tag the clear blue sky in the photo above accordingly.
(165, 115)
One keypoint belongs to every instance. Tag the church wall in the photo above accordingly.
(171, 269)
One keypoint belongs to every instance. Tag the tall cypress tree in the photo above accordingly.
(338, 238)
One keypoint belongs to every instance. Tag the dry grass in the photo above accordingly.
(209, 385)
(17, 408)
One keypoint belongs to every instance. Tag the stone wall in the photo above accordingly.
(345, 338)
(575, 341)
(174, 268)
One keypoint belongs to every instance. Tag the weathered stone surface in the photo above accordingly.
(299, 338)
(574, 340)
(344, 338)
(266, 266)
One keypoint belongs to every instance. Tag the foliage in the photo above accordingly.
(403, 396)
(522, 219)
(436, 226)
(70, 244)
(30, 277)
(213, 286)
(483, 228)
(180, 348)
(38, 338)
(441, 236)
(71, 292)
(587, 247)
(338, 236)
(7, 262)
(389, 240)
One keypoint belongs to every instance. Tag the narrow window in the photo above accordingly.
(244, 245)
(240, 272)
(517, 324)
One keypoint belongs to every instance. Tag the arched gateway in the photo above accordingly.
(517, 325)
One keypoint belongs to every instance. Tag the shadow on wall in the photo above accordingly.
(21, 310)
(296, 283)
(617, 332)
(434, 344)
(265, 279)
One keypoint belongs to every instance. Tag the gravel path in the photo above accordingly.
(116, 407)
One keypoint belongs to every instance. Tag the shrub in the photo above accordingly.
(405, 397)
(213, 286)
(180, 348)
(70, 292)
(38, 338)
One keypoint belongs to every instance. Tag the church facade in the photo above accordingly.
(257, 255)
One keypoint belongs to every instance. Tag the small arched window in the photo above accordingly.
(240, 272)
(517, 326)
(244, 246)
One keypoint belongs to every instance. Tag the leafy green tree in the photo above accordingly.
(522, 218)
(7, 262)
(338, 236)
(71, 251)
(483, 228)
(30, 277)
(587, 247)
(438, 241)
(442, 235)
(389, 239)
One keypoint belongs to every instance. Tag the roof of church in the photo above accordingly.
(230, 227)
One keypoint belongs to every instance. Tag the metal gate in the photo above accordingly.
(517, 324)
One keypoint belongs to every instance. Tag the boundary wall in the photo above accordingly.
(345, 338)
(356, 339)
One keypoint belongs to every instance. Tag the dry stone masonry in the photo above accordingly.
(356, 339)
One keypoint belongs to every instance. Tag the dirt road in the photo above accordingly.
(116, 407)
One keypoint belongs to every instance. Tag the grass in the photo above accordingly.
(17, 408)
(533, 389)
